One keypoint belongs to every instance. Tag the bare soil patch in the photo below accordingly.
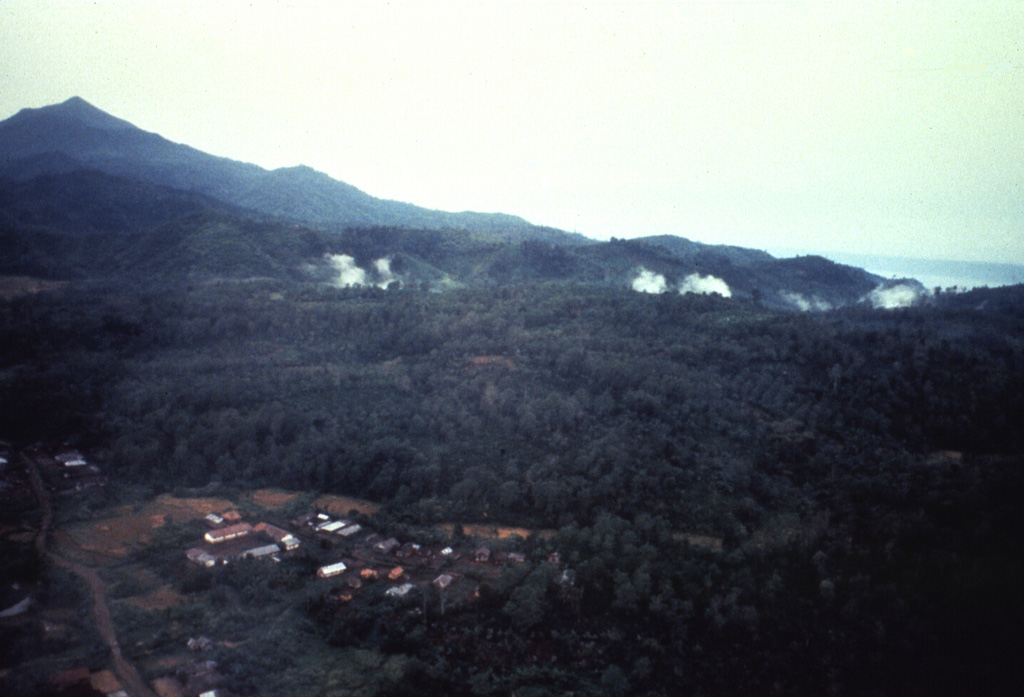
(125, 529)
(105, 681)
(341, 505)
(496, 532)
(272, 498)
(168, 687)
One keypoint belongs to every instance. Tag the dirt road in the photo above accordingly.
(130, 679)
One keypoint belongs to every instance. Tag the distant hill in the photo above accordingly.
(75, 135)
(89, 201)
(84, 194)
(684, 248)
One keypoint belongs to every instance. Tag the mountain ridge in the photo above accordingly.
(71, 170)
(77, 135)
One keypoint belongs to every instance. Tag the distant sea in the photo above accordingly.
(931, 272)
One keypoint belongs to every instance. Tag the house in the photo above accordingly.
(319, 524)
(407, 550)
(200, 557)
(386, 546)
(279, 535)
(443, 581)
(350, 530)
(214, 519)
(331, 570)
(231, 532)
(355, 583)
(331, 526)
(399, 591)
(396, 573)
(369, 575)
(304, 519)
(482, 555)
(231, 516)
(71, 458)
(257, 552)
(517, 557)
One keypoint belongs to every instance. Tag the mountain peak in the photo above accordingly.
(73, 111)
(80, 110)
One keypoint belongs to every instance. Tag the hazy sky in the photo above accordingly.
(861, 127)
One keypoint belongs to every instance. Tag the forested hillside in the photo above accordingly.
(861, 467)
(745, 478)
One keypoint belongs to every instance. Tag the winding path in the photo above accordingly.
(130, 679)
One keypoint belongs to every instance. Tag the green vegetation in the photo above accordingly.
(743, 500)
(858, 556)
(55, 634)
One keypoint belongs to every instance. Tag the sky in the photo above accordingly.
(857, 127)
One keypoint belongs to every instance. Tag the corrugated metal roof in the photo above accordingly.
(229, 531)
(332, 569)
(261, 551)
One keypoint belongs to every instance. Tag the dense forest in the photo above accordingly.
(862, 468)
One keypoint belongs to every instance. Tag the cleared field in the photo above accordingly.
(124, 529)
(496, 532)
(272, 498)
(341, 505)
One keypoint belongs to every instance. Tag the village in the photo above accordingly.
(352, 563)
(356, 557)
(64, 470)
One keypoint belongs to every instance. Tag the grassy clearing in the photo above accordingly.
(341, 505)
(271, 499)
(110, 538)
(496, 532)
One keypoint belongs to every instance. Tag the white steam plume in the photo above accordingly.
(348, 273)
(704, 285)
(894, 297)
(385, 273)
(649, 282)
(805, 304)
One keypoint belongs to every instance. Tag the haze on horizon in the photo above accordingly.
(865, 128)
